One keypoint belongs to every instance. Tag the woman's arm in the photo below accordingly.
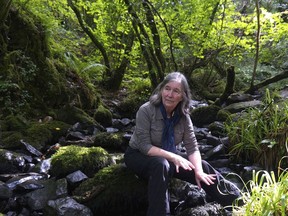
(195, 159)
(178, 160)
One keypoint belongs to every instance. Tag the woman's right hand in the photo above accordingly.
(179, 161)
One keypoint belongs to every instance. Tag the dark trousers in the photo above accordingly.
(158, 171)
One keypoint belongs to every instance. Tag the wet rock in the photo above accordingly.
(220, 163)
(203, 148)
(220, 149)
(29, 185)
(66, 207)
(125, 121)
(239, 97)
(111, 130)
(76, 178)
(240, 106)
(75, 135)
(21, 178)
(11, 162)
(5, 192)
(32, 150)
(209, 209)
(45, 166)
(61, 187)
(212, 140)
(187, 195)
(38, 199)
(86, 129)
(247, 172)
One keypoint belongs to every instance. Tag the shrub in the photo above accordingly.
(259, 134)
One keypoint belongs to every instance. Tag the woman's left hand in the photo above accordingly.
(206, 178)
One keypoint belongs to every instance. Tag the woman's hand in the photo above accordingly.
(206, 178)
(179, 161)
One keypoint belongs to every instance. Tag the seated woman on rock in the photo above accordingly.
(161, 124)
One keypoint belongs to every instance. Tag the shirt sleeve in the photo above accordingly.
(141, 139)
(189, 139)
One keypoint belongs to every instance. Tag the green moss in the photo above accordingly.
(72, 115)
(204, 115)
(223, 115)
(112, 141)
(32, 82)
(11, 139)
(123, 192)
(14, 123)
(131, 104)
(38, 135)
(103, 116)
(69, 159)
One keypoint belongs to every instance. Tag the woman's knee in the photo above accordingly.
(160, 164)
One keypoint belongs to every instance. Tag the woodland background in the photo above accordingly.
(131, 45)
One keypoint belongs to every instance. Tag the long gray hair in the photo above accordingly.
(156, 96)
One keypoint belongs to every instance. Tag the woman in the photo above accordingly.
(161, 124)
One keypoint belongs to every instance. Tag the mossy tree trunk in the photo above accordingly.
(4, 9)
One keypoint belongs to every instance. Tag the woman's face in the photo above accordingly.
(171, 95)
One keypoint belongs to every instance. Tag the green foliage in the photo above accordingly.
(17, 72)
(139, 91)
(71, 158)
(266, 195)
(193, 30)
(259, 135)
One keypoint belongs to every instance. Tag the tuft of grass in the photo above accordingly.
(259, 135)
(266, 194)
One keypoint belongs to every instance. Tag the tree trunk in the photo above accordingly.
(97, 43)
(276, 78)
(229, 89)
(149, 52)
(115, 80)
(257, 46)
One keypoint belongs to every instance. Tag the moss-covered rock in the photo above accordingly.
(72, 115)
(14, 123)
(37, 134)
(204, 115)
(103, 116)
(11, 139)
(217, 129)
(45, 133)
(129, 106)
(69, 159)
(223, 115)
(122, 193)
(109, 141)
